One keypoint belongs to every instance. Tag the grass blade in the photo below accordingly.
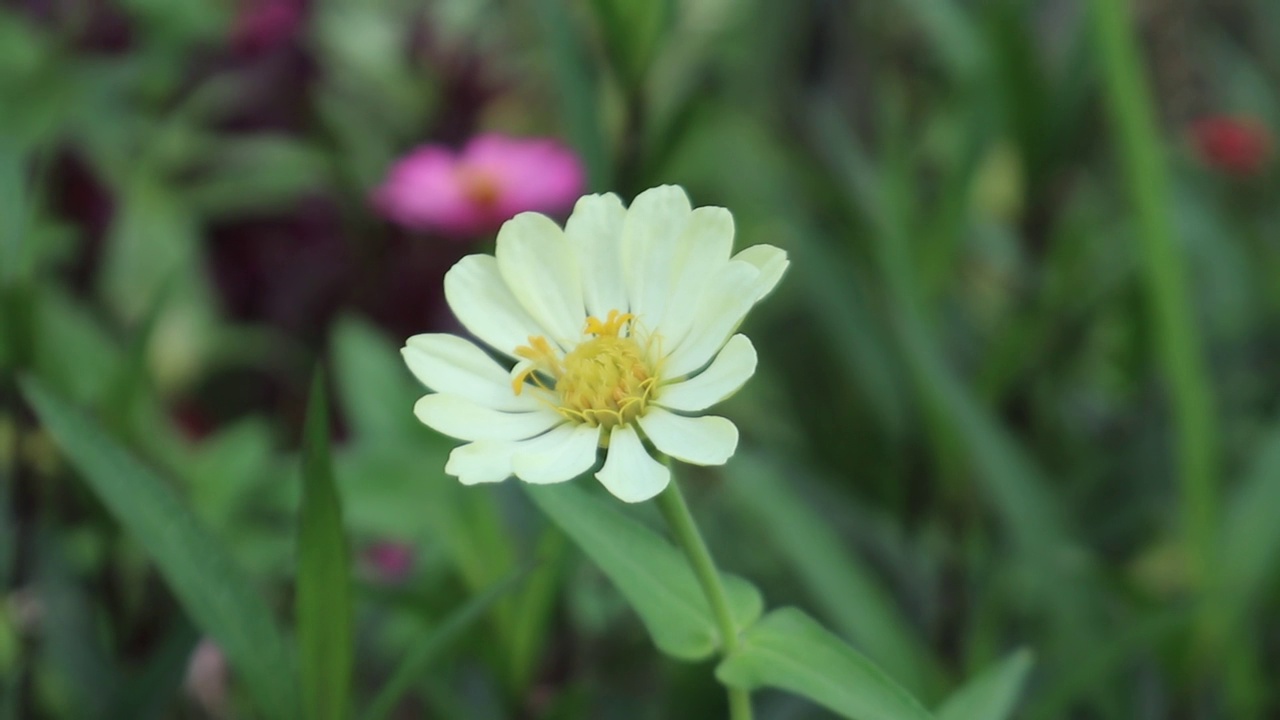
(1138, 140)
(572, 69)
(419, 659)
(199, 570)
(325, 612)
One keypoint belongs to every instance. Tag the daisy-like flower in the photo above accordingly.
(618, 331)
(473, 191)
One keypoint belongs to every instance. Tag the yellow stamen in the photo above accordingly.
(539, 351)
(612, 325)
(606, 380)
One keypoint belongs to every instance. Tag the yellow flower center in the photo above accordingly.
(605, 381)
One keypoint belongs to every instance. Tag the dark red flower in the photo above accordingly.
(1235, 145)
(263, 25)
(192, 421)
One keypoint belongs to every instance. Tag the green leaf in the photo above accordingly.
(154, 239)
(788, 650)
(64, 332)
(324, 599)
(429, 647)
(951, 32)
(374, 386)
(650, 572)
(633, 30)
(155, 242)
(369, 78)
(130, 379)
(212, 589)
(228, 473)
(15, 212)
(578, 90)
(255, 174)
(395, 491)
(991, 695)
(848, 591)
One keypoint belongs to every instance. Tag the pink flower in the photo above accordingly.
(1239, 146)
(474, 191)
(391, 561)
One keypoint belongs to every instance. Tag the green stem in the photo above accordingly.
(1138, 141)
(676, 511)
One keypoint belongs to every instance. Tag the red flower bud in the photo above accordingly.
(1235, 145)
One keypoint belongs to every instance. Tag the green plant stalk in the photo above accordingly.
(533, 606)
(676, 511)
(1138, 140)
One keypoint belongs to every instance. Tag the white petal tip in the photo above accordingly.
(480, 462)
(635, 493)
(705, 440)
(630, 472)
(470, 480)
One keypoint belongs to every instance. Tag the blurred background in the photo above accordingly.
(1018, 389)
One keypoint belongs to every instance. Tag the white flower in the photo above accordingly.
(620, 327)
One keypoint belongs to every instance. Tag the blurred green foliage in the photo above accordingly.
(1016, 397)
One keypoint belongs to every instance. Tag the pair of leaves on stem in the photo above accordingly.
(785, 649)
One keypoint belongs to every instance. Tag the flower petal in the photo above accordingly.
(448, 363)
(465, 420)
(735, 364)
(483, 303)
(486, 461)
(539, 266)
(629, 471)
(728, 297)
(651, 233)
(562, 454)
(701, 252)
(421, 192)
(532, 173)
(594, 231)
(706, 440)
(772, 263)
